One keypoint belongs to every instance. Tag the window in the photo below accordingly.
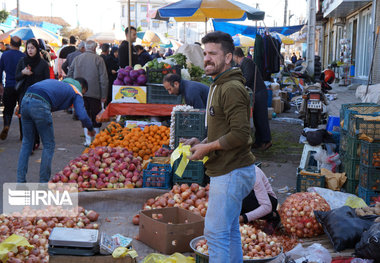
(144, 8)
(364, 46)
(122, 11)
(144, 23)
(132, 8)
(133, 23)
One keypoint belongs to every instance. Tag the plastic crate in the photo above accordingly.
(359, 108)
(305, 181)
(159, 95)
(200, 259)
(370, 154)
(352, 168)
(370, 178)
(343, 142)
(353, 147)
(194, 173)
(351, 186)
(368, 195)
(157, 75)
(188, 125)
(157, 179)
(359, 126)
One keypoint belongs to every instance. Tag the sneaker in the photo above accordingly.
(4, 133)
(85, 144)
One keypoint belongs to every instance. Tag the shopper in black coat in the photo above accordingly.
(260, 99)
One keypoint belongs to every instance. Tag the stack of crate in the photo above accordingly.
(350, 143)
(188, 125)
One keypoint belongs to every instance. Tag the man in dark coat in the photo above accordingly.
(124, 49)
(260, 106)
(143, 55)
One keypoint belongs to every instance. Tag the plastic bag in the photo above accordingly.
(11, 244)
(314, 253)
(334, 181)
(369, 245)
(99, 117)
(343, 227)
(175, 258)
(338, 199)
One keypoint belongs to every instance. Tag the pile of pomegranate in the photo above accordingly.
(297, 214)
(37, 231)
(103, 167)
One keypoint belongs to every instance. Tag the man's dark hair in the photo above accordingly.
(65, 41)
(238, 52)
(83, 84)
(105, 47)
(15, 42)
(197, 43)
(127, 29)
(139, 47)
(222, 38)
(171, 78)
(73, 40)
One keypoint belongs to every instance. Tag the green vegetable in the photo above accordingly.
(180, 59)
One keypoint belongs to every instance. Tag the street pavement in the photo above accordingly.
(69, 140)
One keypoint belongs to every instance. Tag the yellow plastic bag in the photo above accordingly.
(355, 202)
(122, 252)
(184, 151)
(10, 245)
(175, 258)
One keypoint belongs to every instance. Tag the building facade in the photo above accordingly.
(347, 35)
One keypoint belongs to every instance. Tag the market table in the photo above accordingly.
(137, 109)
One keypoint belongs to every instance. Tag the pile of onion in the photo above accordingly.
(297, 214)
(37, 231)
(255, 244)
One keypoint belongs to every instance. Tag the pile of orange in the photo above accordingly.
(143, 143)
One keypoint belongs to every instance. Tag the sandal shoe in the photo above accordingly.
(4, 133)
(265, 146)
(36, 146)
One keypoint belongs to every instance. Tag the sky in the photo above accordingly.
(102, 15)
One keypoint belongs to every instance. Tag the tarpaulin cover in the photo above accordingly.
(251, 31)
(137, 109)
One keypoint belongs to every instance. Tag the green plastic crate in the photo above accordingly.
(157, 94)
(368, 195)
(156, 76)
(351, 186)
(352, 168)
(358, 108)
(194, 173)
(343, 142)
(370, 154)
(359, 126)
(370, 178)
(188, 125)
(353, 147)
(306, 181)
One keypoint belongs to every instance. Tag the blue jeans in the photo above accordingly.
(222, 218)
(36, 114)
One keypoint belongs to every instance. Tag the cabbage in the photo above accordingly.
(118, 82)
(133, 74)
(127, 80)
(137, 67)
(141, 71)
(141, 80)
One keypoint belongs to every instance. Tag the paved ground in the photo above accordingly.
(279, 163)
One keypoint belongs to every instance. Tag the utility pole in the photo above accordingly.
(18, 12)
(51, 12)
(310, 54)
(285, 12)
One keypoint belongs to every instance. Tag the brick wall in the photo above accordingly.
(376, 62)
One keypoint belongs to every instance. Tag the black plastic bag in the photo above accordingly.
(369, 245)
(343, 227)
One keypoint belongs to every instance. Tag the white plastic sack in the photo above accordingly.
(194, 53)
(335, 199)
(373, 94)
(314, 253)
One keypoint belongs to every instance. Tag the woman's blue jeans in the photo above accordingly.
(36, 114)
(222, 218)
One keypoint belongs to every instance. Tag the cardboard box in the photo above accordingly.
(276, 104)
(173, 232)
(141, 124)
(93, 259)
(128, 94)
